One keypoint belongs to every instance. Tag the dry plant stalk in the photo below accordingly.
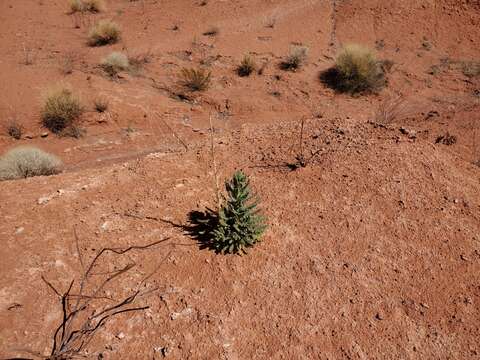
(214, 164)
(391, 109)
(82, 313)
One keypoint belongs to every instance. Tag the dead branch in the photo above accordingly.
(81, 315)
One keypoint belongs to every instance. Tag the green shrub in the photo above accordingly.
(25, 161)
(104, 32)
(61, 109)
(114, 63)
(239, 224)
(356, 70)
(295, 59)
(246, 67)
(195, 79)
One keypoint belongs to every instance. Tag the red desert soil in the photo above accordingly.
(372, 250)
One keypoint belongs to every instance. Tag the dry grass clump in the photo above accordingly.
(104, 32)
(26, 161)
(391, 109)
(246, 67)
(195, 79)
(114, 63)
(14, 129)
(295, 59)
(61, 109)
(93, 6)
(471, 68)
(356, 70)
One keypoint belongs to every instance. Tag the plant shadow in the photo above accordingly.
(331, 78)
(200, 226)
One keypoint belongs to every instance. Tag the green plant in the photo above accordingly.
(61, 109)
(239, 224)
(295, 59)
(246, 67)
(356, 70)
(114, 63)
(25, 161)
(104, 32)
(195, 79)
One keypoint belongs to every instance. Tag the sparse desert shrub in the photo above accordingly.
(61, 109)
(26, 161)
(471, 68)
(446, 139)
(100, 104)
(295, 59)
(86, 5)
(76, 6)
(195, 79)
(114, 63)
(239, 224)
(391, 109)
(74, 131)
(14, 129)
(246, 67)
(104, 32)
(356, 70)
(138, 60)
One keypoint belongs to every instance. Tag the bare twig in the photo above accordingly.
(79, 323)
(173, 132)
(214, 163)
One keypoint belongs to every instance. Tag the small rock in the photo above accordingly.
(463, 257)
(19, 230)
(43, 200)
(28, 136)
(44, 134)
(379, 316)
(121, 336)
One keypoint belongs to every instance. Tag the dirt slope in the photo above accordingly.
(373, 249)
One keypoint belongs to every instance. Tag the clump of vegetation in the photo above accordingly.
(114, 63)
(61, 109)
(246, 67)
(295, 59)
(100, 104)
(356, 70)
(238, 224)
(446, 139)
(14, 129)
(74, 131)
(104, 32)
(138, 60)
(471, 68)
(26, 161)
(195, 79)
(93, 6)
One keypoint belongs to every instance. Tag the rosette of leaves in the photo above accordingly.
(239, 224)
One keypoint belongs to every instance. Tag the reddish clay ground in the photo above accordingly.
(373, 249)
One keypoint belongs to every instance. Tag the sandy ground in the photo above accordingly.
(372, 250)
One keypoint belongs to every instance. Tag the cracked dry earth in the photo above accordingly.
(372, 249)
